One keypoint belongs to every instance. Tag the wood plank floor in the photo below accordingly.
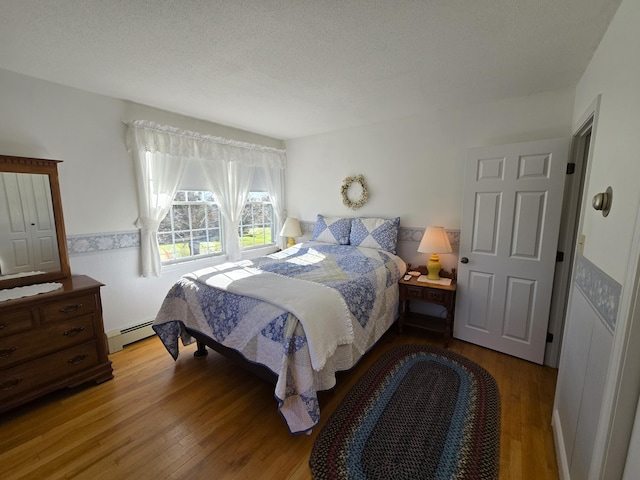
(205, 418)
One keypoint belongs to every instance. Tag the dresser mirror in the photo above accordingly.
(33, 243)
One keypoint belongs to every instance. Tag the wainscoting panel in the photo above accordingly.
(586, 352)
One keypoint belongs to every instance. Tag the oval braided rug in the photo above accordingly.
(419, 413)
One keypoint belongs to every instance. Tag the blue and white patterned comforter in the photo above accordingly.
(268, 334)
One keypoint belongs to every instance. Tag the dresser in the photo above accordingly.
(51, 341)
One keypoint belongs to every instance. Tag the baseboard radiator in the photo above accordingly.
(117, 339)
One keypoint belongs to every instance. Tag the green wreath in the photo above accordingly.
(364, 196)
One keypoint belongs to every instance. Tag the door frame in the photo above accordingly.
(568, 243)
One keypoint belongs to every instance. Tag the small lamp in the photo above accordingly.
(434, 241)
(291, 229)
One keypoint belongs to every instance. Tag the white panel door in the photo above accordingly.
(43, 227)
(510, 222)
(16, 253)
(29, 243)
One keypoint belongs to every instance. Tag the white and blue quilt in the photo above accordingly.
(258, 324)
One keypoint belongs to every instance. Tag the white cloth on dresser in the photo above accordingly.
(28, 291)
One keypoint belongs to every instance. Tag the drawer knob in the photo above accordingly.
(72, 332)
(71, 308)
(77, 359)
(7, 352)
(9, 384)
(2, 325)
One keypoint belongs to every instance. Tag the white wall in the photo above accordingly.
(86, 131)
(614, 72)
(414, 166)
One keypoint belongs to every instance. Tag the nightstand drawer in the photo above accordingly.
(415, 292)
(435, 296)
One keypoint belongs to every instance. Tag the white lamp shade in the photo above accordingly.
(291, 228)
(435, 240)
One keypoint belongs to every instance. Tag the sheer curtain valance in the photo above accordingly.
(161, 154)
(152, 137)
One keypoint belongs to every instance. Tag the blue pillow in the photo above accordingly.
(378, 233)
(332, 230)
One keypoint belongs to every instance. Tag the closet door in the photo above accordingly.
(42, 223)
(30, 242)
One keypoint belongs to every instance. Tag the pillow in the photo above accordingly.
(332, 230)
(375, 233)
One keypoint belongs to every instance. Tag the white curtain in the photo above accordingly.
(228, 167)
(274, 178)
(230, 182)
(159, 163)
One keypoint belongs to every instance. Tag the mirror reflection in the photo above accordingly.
(28, 239)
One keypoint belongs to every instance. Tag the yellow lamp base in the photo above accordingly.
(434, 267)
(291, 242)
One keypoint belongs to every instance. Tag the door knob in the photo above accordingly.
(602, 201)
(464, 260)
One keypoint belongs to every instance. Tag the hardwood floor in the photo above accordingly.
(205, 418)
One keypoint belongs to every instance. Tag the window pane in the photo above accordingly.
(165, 224)
(194, 196)
(181, 217)
(192, 227)
(198, 216)
(179, 196)
(257, 221)
(166, 246)
(199, 237)
(213, 216)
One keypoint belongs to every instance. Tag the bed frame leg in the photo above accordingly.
(201, 351)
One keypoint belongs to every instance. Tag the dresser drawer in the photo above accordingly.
(16, 321)
(48, 339)
(69, 308)
(46, 370)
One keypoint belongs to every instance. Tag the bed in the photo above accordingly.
(296, 317)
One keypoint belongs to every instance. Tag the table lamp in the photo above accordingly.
(434, 241)
(291, 229)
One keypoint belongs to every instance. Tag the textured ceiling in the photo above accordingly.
(292, 68)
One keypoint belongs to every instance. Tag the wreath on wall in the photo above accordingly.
(364, 195)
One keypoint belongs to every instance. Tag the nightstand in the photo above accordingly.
(444, 295)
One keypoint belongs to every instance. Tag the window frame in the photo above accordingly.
(266, 200)
(173, 232)
(262, 223)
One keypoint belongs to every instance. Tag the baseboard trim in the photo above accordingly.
(561, 454)
(117, 339)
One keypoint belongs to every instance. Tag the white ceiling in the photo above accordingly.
(292, 68)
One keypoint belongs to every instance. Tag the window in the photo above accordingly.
(256, 224)
(192, 228)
